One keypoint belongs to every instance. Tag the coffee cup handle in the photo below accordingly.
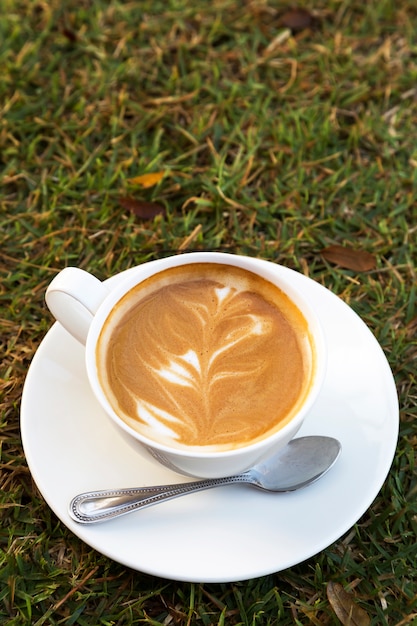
(73, 298)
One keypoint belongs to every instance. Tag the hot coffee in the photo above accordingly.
(205, 354)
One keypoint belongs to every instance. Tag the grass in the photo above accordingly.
(276, 145)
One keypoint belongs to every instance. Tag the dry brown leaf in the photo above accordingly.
(70, 34)
(141, 208)
(298, 19)
(147, 180)
(345, 607)
(349, 258)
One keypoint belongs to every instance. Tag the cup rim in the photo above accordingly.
(266, 270)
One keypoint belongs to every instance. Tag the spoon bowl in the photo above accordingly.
(300, 463)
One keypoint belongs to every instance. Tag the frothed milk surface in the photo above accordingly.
(205, 355)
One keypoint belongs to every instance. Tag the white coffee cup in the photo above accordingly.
(82, 304)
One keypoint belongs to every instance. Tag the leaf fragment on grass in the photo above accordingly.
(70, 34)
(345, 607)
(349, 258)
(298, 19)
(147, 180)
(141, 208)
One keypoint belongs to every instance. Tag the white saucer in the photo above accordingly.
(232, 533)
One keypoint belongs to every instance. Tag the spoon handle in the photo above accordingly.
(99, 506)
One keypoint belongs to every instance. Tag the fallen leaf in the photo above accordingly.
(298, 19)
(147, 180)
(141, 208)
(345, 607)
(349, 258)
(70, 34)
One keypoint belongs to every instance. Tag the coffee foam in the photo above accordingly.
(205, 355)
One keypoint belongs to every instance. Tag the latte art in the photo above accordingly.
(205, 355)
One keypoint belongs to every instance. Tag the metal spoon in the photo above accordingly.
(300, 463)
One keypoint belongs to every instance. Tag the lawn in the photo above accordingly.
(285, 131)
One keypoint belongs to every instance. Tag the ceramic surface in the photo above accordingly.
(236, 532)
